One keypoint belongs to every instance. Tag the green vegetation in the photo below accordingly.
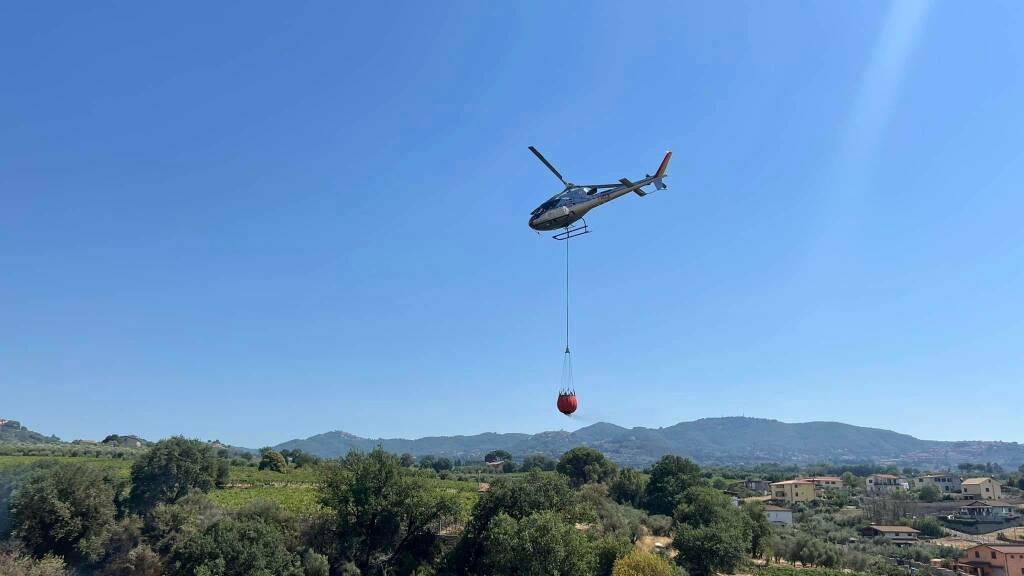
(584, 465)
(170, 470)
(640, 563)
(182, 507)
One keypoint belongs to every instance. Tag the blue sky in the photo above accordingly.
(258, 221)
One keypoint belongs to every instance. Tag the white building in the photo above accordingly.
(879, 484)
(946, 483)
(778, 515)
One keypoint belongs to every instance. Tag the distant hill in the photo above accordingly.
(734, 440)
(13, 431)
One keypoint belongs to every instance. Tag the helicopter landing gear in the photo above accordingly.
(573, 230)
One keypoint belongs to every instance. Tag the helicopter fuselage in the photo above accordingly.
(571, 204)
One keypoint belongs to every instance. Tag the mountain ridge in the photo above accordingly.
(728, 440)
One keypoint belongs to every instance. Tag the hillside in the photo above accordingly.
(13, 431)
(734, 440)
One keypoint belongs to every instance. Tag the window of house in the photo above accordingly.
(993, 555)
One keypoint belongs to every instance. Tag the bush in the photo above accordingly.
(929, 527)
(67, 510)
(640, 563)
(230, 547)
(314, 564)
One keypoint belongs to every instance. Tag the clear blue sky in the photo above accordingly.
(256, 221)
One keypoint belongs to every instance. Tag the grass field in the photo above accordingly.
(294, 491)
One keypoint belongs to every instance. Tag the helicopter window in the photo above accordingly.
(591, 191)
(548, 205)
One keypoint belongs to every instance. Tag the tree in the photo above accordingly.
(15, 563)
(272, 460)
(234, 547)
(850, 480)
(929, 493)
(516, 499)
(171, 469)
(383, 513)
(929, 527)
(641, 563)
(67, 510)
(608, 550)
(508, 467)
(541, 543)
(498, 455)
(537, 462)
(314, 564)
(705, 550)
(711, 534)
(628, 487)
(223, 473)
(670, 477)
(584, 465)
(407, 460)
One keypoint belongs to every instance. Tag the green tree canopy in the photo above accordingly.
(712, 535)
(516, 499)
(628, 487)
(496, 455)
(670, 477)
(383, 512)
(541, 543)
(584, 465)
(169, 470)
(537, 462)
(929, 493)
(272, 460)
(234, 547)
(67, 510)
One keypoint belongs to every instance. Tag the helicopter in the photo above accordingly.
(565, 209)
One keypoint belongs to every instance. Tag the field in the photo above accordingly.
(294, 491)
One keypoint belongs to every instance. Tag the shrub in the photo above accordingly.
(640, 563)
(67, 510)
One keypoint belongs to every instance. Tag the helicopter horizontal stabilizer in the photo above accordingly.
(658, 184)
(628, 184)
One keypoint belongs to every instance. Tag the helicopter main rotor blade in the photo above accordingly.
(548, 164)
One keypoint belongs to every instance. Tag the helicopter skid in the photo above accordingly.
(573, 231)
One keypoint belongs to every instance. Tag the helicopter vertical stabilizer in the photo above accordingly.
(664, 166)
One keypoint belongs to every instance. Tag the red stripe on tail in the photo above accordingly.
(664, 165)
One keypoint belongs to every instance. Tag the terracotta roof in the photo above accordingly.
(1004, 548)
(797, 481)
(885, 476)
(833, 478)
(881, 528)
(976, 480)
